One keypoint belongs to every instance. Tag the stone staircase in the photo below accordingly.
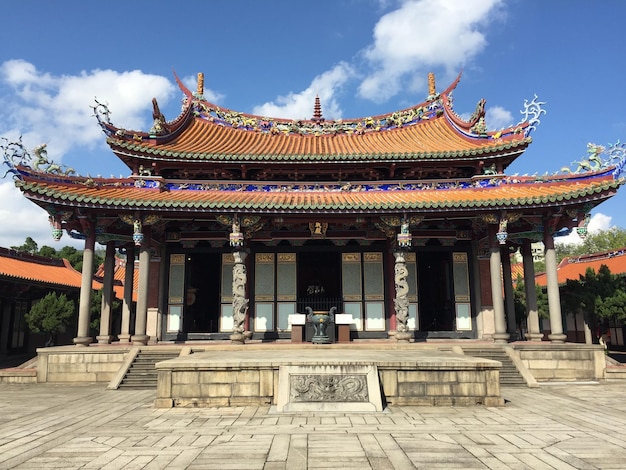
(509, 375)
(142, 373)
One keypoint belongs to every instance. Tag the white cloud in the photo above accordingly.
(20, 219)
(57, 109)
(498, 118)
(599, 222)
(422, 34)
(300, 105)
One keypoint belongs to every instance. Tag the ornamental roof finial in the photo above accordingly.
(432, 91)
(200, 89)
(317, 110)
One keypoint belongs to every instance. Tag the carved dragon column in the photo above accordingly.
(401, 273)
(240, 280)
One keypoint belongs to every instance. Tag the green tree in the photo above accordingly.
(600, 296)
(613, 307)
(29, 246)
(519, 298)
(51, 314)
(604, 240)
(74, 256)
(48, 251)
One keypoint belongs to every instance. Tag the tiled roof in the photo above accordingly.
(119, 276)
(505, 193)
(204, 132)
(433, 139)
(517, 271)
(37, 269)
(575, 266)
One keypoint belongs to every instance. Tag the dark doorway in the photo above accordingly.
(202, 309)
(319, 280)
(435, 290)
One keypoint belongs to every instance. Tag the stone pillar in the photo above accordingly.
(509, 299)
(141, 314)
(495, 269)
(240, 301)
(107, 295)
(554, 298)
(86, 286)
(129, 276)
(401, 302)
(534, 329)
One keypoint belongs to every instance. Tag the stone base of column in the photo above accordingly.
(500, 337)
(557, 338)
(238, 338)
(534, 336)
(140, 340)
(403, 336)
(83, 340)
(124, 338)
(106, 339)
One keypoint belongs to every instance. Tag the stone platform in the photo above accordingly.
(250, 376)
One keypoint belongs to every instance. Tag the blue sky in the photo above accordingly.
(362, 57)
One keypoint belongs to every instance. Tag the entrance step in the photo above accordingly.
(509, 375)
(142, 373)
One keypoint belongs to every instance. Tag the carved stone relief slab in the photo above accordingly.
(325, 387)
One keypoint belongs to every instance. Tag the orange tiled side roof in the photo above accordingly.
(575, 266)
(124, 195)
(119, 276)
(36, 269)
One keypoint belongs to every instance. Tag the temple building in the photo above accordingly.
(24, 280)
(404, 221)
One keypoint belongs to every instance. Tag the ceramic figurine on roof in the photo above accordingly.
(422, 178)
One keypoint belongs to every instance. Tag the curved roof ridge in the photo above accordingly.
(201, 108)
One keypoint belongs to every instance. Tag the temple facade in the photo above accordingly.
(404, 222)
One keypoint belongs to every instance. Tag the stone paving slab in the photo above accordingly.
(574, 426)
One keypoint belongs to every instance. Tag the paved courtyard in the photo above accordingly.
(575, 426)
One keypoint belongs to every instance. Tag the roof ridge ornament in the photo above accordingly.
(534, 110)
(317, 111)
(432, 89)
(200, 88)
(614, 156)
(15, 154)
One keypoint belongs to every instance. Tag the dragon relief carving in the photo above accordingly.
(15, 154)
(328, 387)
(240, 302)
(401, 301)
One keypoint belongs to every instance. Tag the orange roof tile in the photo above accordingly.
(575, 266)
(119, 276)
(38, 269)
(509, 193)
(517, 271)
(433, 139)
